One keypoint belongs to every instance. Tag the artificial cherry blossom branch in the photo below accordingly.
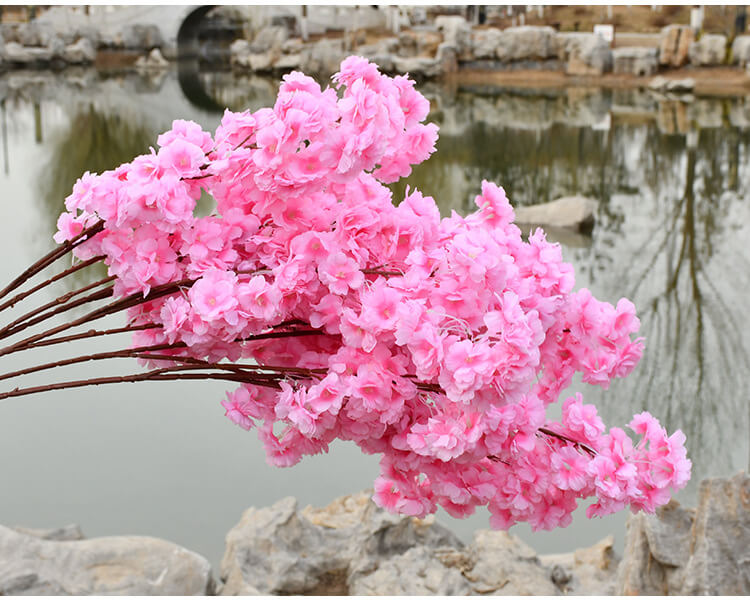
(52, 256)
(18, 297)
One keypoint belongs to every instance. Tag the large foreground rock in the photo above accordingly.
(134, 566)
(702, 551)
(571, 212)
(354, 547)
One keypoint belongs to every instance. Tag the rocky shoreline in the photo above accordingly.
(353, 547)
(448, 48)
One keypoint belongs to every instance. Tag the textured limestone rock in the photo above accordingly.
(153, 62)
(68, 533)
(418, 571)
(323, 57)
(501, 564)
(635, 61)
(584, 53)
(418, 43)
(353, 547)
(526, 43)
(719, 562)
(572, 212)
(586, 571)
(702, 551)
(741, 50)
(17, 54)
(672, 86)
(79, 53)
(280, 550)
(456, 32)
(418, 66)
(484, 42)
(102, 566)
(674, 45)
(709, 50)
(141, 37)
(269, 38)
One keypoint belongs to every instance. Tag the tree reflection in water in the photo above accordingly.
(670, 235)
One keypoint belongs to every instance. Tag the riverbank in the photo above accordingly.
(708, 81)
(353, 547)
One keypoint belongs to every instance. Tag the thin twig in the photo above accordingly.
(108, 309)
(560, 436)
(58, 305)
(52, 256)
(158, 375)
(93, 333)
(18, 297)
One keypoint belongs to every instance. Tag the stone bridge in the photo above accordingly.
(110, 23)
(178, 23)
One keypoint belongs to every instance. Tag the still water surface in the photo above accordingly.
(672, 181)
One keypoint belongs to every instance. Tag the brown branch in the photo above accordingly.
(36, 288)
(58, 305)
(157, 375)
(93, 333)
(108, 309)
(52, 256)
(560, 436)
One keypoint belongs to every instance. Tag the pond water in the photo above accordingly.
(672, 181)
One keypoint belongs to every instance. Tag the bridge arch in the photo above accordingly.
(187, 33)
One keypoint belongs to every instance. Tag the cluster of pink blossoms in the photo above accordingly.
(437, 343)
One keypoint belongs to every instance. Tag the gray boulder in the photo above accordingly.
(17, 54)
(280, 550)
(635, 61)
(655, 553)
(498, 563)
(102, 566)
(153, 62)
(709, 50)
(288, 62)
(141, 37)
(417, 572)
(741, 50)
(719, 562)
(420, 67)
(484, 42)
(353, 547)
(33, 34)
(584, 53)
(68, 533)
(586, 571)
(456, 32)
(674, 45)
(79, 53)
(418, 43)
(526, 43)
(702, 551)
(269, 38)
(672, 86)
(239, 54)
(323, 57)
(571, 212)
